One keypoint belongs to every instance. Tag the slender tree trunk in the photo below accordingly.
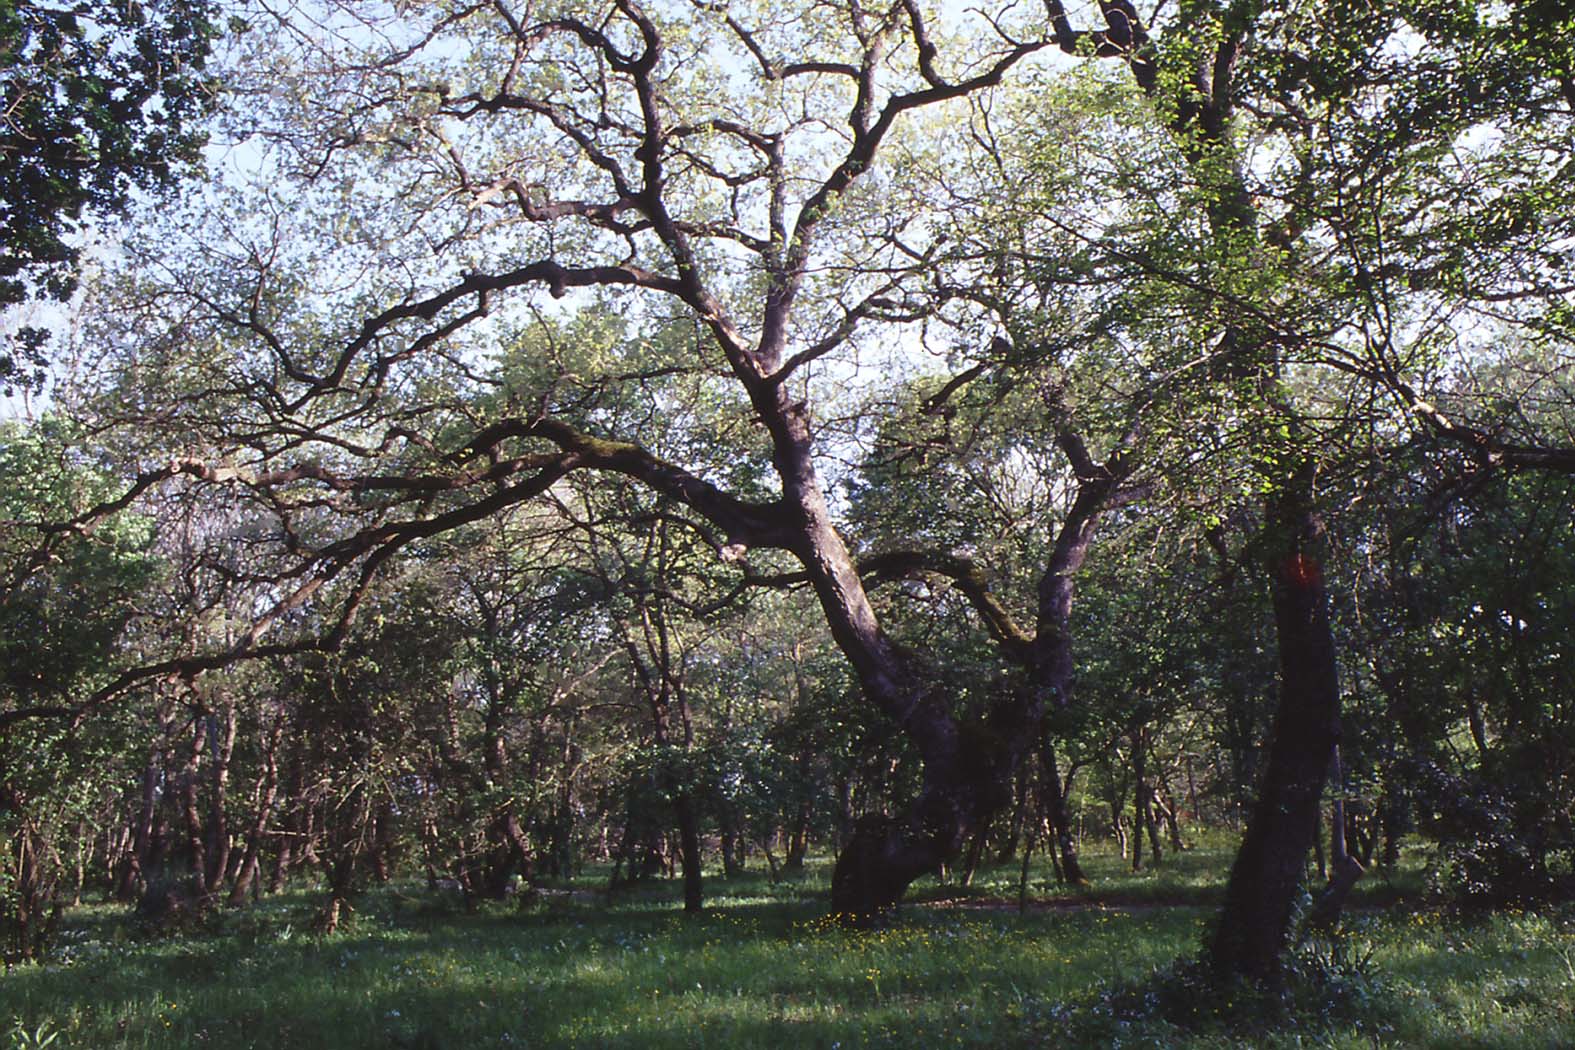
(128, 883)
(1192, 793)
(798, 838)
(218, 830)
(1060, 816)
(1115, 798)
(1345, 870)
(689, 851)
(267, 791)
(1151, 823)
(294, 825)
(972, 857)
(1168, 805)
(1139, 788)
(188, 800)
(732, 866)
(1014, 829)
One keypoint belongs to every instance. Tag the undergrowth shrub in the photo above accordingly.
(1497, 843)
(1326, 983)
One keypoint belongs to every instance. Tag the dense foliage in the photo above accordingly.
(101, 99)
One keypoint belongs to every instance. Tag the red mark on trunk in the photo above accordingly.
(1302, 572)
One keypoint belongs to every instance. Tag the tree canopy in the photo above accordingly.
(100, 100)
(932, 407)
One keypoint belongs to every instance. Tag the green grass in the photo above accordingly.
(763, 967)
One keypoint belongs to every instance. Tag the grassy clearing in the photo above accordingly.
(762, 967)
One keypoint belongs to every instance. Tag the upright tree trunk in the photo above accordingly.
(1255, 922)
(1060, 817)
(1345, 870)
(1014, 828)
(294, 825)
(1197, 99)
(267, 790)
(222, 736)
(972, 857)
(1168, 806)
(188, 800)
(1139, 786)
(128, 883)
(798, 838)
(732, 853)
(689, 859)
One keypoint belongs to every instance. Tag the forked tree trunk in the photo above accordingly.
(1345, 870)
(267, 790)
(968, 767)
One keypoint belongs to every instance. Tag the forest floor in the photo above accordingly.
(763, 966)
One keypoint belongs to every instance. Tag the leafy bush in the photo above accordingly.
(1496, 845)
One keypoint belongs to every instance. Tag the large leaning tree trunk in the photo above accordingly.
(628, 208)
(969, 766)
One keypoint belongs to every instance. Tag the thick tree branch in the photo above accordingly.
(969, 579)
(745, 523)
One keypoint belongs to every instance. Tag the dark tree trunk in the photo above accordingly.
(845, 818)
(222, 736)
(875, 868)
(508, 851)
(246, 876)
(732, 854)
(968, 768)
(1345, 870)
(1392, 812)
(798, 839)
(1192, 793)
(1142, 804)
(1116, 797)
(688, 851)
(294, 824)
(1151, 823)
(188, 800)
(128, 882)
(1168, 805)
(1060, 817)
(1255, 923)
(1014, 828)
(1055, 860)
(961, 793)
(971, 859)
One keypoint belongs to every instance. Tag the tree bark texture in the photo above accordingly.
(1255, 922)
